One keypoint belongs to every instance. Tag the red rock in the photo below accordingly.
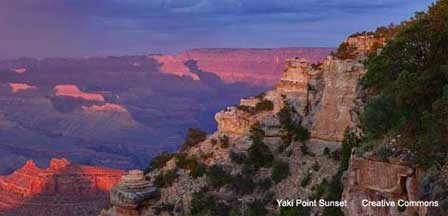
(63, 186)
(255, 66)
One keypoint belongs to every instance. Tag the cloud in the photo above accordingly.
(97, 27)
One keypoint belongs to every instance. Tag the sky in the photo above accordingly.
(80, 28)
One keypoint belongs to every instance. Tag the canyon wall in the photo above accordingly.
(376, 180)
(255, 66)
(61, 189)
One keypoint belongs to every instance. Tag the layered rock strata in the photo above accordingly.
(373, 180)
(132, 196)
(62, 187)
(341, 79)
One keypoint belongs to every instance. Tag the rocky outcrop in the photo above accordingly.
(341, 79)
(17, 87)
(295, 76)
(255, 66)
(373, 180)
(62, 187)
(131, 196)
(73, 91)
(366, 43)
(234, 121)
(333, 116)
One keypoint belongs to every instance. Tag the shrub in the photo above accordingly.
(306, 179)
(280, 171)
(202, 203)
(293, 130)
(245, 108)
(239, 158)
(243, 184)
(306, 151)
(194, 136)
(295, 211)
(264, 105)
(224, 140)
(165, 178)
(319, 189)
(383, 153)
(259, 154)
(196, 168)
(218, 177)
(316, 166)
(160, 160)
(345, 51)
(256, 208)
(213, 141)
(326, 151)
(264, 184)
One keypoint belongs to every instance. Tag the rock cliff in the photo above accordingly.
(61, 189)
(294, 101)
(255, 66)
(375, 180)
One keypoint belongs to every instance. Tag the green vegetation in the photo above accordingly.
(319, 190)
(280, 171)
(259, 154)
(295, 211)
(293, 129)
(205, 204)
(344, 51)
(218, 177)
(264, 184)
(335, 188)
(264, 105)
(238, 158)
(196, 168)
(224, 140)
(306, 179)
(256, 208)
(194, 136)
(160, 160)
(165, 178)
(409, 84)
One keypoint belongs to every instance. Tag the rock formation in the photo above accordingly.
(375, 181)
(295, 77)
(317, 97)
(74, 91)
(255, 66)
(341, 79)
(61, 189)
(131, 196)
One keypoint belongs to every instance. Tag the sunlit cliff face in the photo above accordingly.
(61, 186)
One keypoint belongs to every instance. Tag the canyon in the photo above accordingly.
(315, 98)
(121, 111)
(63, 188)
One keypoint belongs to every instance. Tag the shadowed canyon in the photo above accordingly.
(120, 111)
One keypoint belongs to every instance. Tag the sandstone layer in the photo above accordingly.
(61, 189)
(375, 180)
(255, 66)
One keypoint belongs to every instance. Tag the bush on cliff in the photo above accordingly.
(293, 130)
(259, 154)
(280, 171)
(264, 105)
(196, 168)
(165, 178)
(160, 160)
(194, 136)
(345, 51)
(336, 188)
(407, 82)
